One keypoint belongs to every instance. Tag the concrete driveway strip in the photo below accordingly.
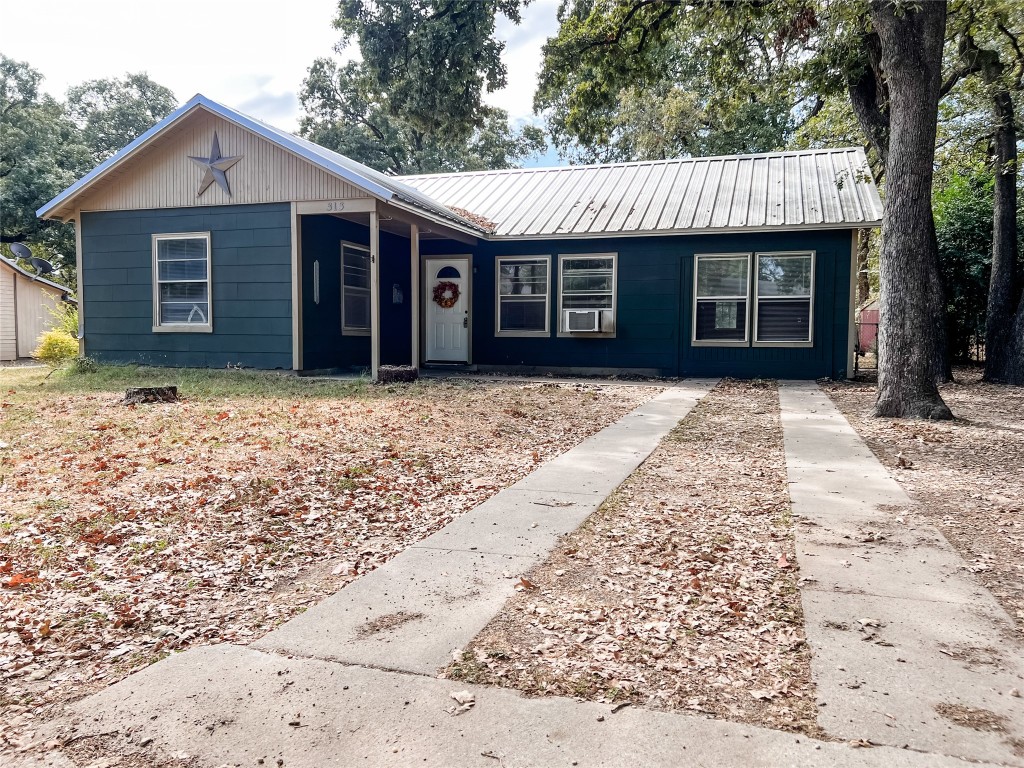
(236, 706)
(413, 612)
(908, 647)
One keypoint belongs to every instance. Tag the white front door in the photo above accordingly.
(446, 313)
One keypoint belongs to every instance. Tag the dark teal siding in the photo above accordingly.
(251, 273)
(252, 298)
(655, 306)
(323, 344)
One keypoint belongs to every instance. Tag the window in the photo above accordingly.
(586, 297)
(523, 294)
(355, 290)
(181, 283)
(721, 296)
(785, 283)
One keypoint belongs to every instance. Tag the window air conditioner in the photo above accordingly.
(583, 320)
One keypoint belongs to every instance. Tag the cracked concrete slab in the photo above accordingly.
(885, 617)
(432, 599)
(236, 706)
(408, 615)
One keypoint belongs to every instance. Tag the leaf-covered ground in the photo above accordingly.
(967, 475)
(127, 533)
(680, 592)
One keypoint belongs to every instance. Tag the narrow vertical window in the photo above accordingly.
(721, 297)
(785, 284)
(523, 294)
(181, 282)
(355, 290)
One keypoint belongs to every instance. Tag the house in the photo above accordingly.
(27, 304)
(215, 239)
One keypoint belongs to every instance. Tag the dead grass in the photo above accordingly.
(680, 592)
(127, 533)
(967, 475)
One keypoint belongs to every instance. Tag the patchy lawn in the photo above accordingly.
(680, 592)
(130, 532)
(967, 475)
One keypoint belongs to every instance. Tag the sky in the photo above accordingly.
(248, 54)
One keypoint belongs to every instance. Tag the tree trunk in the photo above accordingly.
(1004, 333)
(863, 277)
(912, 335)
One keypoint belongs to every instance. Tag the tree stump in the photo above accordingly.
(397, 374)
(139, 395)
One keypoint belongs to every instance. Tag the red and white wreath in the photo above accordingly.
(446, 294)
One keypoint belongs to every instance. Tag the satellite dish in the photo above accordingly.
(21, 250)
(42, 266)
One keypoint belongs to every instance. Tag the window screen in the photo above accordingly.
(355, 288)
(720, 312)
(182, 280)
(784, 287)
(523, 295)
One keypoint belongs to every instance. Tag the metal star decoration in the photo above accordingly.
(214, 167)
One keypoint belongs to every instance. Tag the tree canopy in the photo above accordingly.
(413, 102)
(46, 144)
(347, 111)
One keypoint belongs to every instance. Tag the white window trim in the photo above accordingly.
(613, 312)
(347, 330)
(694, 341)
(206, 327)
(810, 314)
(546, 258)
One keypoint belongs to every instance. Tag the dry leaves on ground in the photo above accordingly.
(680, 593)
(967, 475)
(131, 532)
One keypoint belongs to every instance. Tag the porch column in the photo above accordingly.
(374, 294)
(414, 289)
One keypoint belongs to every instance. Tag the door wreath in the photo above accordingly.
(446, 294)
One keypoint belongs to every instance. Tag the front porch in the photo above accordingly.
(363, 291)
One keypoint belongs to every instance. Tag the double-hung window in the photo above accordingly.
(524, 290)
(779, 286)
(181, 282)
(721, 299)
(586, 295)
(355, 290)
(785, 284)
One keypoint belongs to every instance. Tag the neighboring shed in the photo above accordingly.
(217, 240)
(26, 309)
(867, 325)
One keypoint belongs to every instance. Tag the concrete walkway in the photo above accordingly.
(432, 599)
(899, 629)
(353, 680)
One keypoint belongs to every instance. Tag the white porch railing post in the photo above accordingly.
(414, 290)
(374, 294)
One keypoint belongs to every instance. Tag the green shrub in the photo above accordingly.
(84, 365)
(66, 318)
(56, 347)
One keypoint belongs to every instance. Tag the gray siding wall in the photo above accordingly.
(251, 287)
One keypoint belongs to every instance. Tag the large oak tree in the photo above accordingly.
(884, 55)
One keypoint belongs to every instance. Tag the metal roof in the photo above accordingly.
(375, 183)
(814, 189)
